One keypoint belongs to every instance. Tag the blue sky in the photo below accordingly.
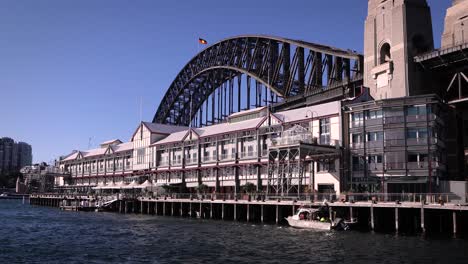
(74, 70)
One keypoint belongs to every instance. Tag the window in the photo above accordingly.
(374, 114)
(417, 133)
(375, 136)
(356, 138)
(326, 166)
(250, 150)
(374, 159)
(385, 55)
(357, 118)
(358, 163)
(416, 110)
(325, 131)
(141, 155)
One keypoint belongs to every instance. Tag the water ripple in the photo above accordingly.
(46, 235)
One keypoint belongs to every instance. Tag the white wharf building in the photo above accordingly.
(282, 153)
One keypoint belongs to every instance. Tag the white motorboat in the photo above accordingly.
(309, 218)
(313, 218)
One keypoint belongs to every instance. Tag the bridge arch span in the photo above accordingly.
(248, 71)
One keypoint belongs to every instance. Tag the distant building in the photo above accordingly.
(14, 155)
(39, 177)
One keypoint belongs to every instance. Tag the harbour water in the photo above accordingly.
(33, 234)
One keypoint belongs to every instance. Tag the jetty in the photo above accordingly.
(409, 213)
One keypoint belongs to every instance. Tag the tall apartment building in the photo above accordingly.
(14, 155)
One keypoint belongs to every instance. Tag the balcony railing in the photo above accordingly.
(292, 140)
(164, 163)
(394, 120)
(192, 161)
(249, 154)
(208, 158)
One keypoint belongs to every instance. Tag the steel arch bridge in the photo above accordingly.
(250, 71)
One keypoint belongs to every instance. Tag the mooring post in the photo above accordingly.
(148, 207)
(423, 227)
(190, 209)
(277, 214)
(261, 213)
(164, 208)
(222, 211)
(172, 209)
(211, 210)
(201, 211)
(330, 214)
(372, 217)
(351, 213)
(155, 208)
(126, 207)
(396, 219)
(181, 209)
(454, 217)
(248, 212)
(141, 207)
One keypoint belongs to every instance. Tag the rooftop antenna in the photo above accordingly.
(141, 109)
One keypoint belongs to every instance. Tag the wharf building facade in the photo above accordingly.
(288, 152)
(394, 123)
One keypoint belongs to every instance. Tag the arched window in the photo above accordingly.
(385, 55)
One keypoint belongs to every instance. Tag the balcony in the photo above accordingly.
(394, 120)
(249, 154)
(375, 144)
(358, 145)
(192, 161)
(176, 163)
(394, 143)
(374, 122)
(164, 163)
(293, 140)
(416, 118)
(395, 166)
(228, 156)
(209, 159)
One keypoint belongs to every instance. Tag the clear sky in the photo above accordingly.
(74, 70)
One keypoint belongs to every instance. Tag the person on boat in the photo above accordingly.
(301, 216)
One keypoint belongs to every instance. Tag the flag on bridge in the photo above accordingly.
(202, 41)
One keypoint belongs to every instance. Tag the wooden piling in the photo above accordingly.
(396, 220)
(454, 221)
(423, 227)
(261, 213)
(222, 211)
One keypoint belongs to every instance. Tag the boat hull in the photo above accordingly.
(306, 224)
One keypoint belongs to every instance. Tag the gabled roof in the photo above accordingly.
(112, 141)
(159, 128)
(122, 147)
(247, 112)
(213, 130)
(71, 156)
(100, 151)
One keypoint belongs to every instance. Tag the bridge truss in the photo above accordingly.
(250, 71)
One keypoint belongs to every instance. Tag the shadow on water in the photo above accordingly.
(46, 235)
